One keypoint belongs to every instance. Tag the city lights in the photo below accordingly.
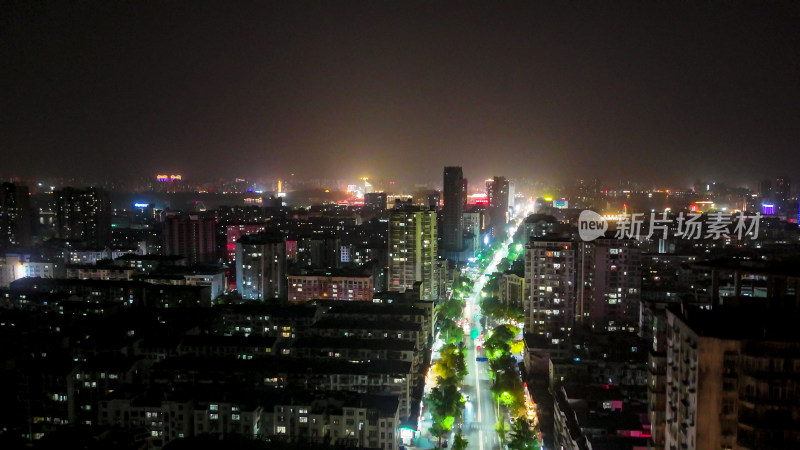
(400, 226)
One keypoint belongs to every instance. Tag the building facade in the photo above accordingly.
(15, 215)
(498, 191)
(454, 195)
(261, 266)
(303, 288)
(551, 282)
(612, 285)
(512, 289)
(234, 232)
(413, 250)
(192, 236)
(731, 379)
(83, 215)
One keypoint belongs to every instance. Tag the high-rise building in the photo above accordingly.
(473, 223)
(83, 214)
(454, 197)
(261, 266)
(433, 199)
(540, 225)
(319, 252)
(15, 215)
(498, 189)
(192, 236)
(234, 232)
(377, 200)
(731, 378)
(551, 278)
(413, 250)
(612, 282)
(765, 189)
(783, 193)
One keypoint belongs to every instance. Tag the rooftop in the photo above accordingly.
(353, 342)
(360, 324)
(751, 322)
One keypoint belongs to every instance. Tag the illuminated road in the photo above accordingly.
(480, 416)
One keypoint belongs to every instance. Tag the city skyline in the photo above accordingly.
(669, 93)
(400, 225)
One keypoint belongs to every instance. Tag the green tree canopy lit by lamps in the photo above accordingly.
(459, 442)
(524, 435)
(451, 333)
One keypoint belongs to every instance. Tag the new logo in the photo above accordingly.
(591, 225)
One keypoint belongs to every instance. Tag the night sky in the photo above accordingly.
(397, 89)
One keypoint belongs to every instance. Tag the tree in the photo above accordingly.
(445, 403)
(506, 385)
(506, 332)
(523, 435)
(451, 309)
(493, 307)
(501, 427)
(450, 331)
(438, 430)
(497, 310)
(503, 265)
(459, 443)
(492, 287)
(462, 285)
(499, 343)
(515, 312)
(452, 364)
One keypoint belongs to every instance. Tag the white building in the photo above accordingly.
(14, 266)
(413, 250)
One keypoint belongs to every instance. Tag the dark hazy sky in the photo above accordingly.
(668, 92)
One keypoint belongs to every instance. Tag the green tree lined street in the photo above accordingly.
(474, 389)
(500, 346)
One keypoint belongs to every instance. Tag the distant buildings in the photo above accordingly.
(454, 200)
(261, 266)
(193, 236)
(783, 190)
(498, 189)
(413, 250)
(15, 215)
(83, 215)
(234, 232)
(540, 225)
(14, 266)
(335, 286)
(377, 200)
(321, 251)
(475, 232)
